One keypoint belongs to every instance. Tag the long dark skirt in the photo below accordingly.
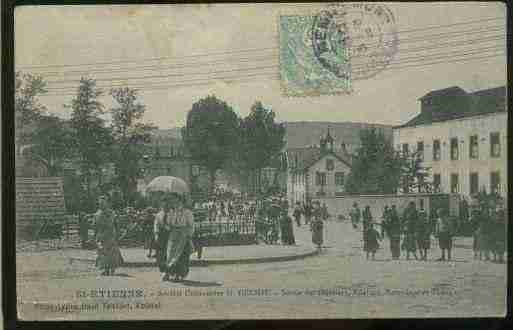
(109, 256)
(409, 243)
(424, 242)
(287, 233)
(161, 255)
(372, 244)
(317, 233)
(395, 245)
(181, 266)
(445, 241)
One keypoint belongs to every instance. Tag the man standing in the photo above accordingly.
(423, 234)
(410, 219)
(317, 226)
(499, 234)
(308, 210)
(394, 233)
(444, 233)
(324, 212)
(83, 224)
(355, 215)
(297, 214)
(385, 218)
(367, 220)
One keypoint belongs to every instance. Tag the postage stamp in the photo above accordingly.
(312, 62)
(323, 53)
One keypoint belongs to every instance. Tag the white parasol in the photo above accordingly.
(168, 184)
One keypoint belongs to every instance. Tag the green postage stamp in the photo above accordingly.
(313, 59)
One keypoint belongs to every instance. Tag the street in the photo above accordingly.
(351, 286)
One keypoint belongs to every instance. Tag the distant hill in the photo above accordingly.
(175, 133)
(301, 133)
(306, 133)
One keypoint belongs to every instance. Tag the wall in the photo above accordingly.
(462, 129)
(342, 205)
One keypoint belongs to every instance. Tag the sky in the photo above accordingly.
(65, 42)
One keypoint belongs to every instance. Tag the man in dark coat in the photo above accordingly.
(297, 214)
(83, 224)
(367, 220)
(410, 219)
(444, 232)
(394, 233)
(287, 230)
(385, 219)
(499, 232)
(423, 234)
(355, 215)
(308, 211)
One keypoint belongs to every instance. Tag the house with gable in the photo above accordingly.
(316, 171)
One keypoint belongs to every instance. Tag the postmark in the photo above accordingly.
(365, 32)
(323, 53)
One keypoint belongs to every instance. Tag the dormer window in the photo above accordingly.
(330, 165)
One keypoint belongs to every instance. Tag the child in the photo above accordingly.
(372, 236)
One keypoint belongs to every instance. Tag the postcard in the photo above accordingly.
(261, 161)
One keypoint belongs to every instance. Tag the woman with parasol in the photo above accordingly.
(176, 223)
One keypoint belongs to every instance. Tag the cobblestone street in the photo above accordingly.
(352, 287)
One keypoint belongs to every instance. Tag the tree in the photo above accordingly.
(376, 166)
(93, 140)
(211, 134)
(27, 108)
(128, 133)
(262, 139)
(53, 143)
(414, 174)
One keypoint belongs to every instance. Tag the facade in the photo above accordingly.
(316, 172)
(462, 138)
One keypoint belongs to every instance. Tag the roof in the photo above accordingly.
(306, 157)
(482, 102)
(449, 91)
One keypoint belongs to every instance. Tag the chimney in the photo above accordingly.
(343, 147)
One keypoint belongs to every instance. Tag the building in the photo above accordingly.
(315, 172)
(462, 138)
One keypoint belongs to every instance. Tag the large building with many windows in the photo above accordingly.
(462, 138)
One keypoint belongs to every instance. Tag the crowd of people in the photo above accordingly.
(168, 229)
(412, 231)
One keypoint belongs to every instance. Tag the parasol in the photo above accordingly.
(168, 184)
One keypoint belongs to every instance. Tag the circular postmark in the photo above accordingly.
(354, 40)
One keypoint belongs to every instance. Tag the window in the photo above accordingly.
(405, 149)
(339, 178)
(474, 183)
(330, 164)
(436, 150)
(495, 182)
(454, 149)
(436, 182)
(474, 147)
(495, 145)
(455, 185)
(420, 150)
(320, 178)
